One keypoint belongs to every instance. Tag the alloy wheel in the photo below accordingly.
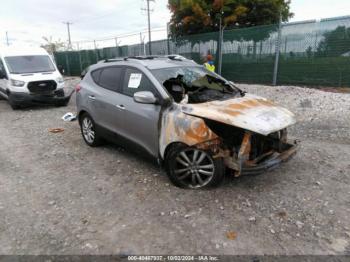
(88, 130)
(194, 167)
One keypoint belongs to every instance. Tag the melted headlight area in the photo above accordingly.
(245, 152)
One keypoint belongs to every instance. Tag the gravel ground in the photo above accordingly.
(59, 196)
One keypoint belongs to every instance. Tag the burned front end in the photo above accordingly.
(249, 133)
(248, 153)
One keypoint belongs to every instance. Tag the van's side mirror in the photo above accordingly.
(145, 97)
(2, 74)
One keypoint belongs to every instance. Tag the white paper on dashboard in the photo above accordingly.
(135, 80)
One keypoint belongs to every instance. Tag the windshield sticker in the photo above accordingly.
(135, 80)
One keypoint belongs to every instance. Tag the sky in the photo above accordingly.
(27, 21)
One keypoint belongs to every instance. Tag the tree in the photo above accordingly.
(52, 46)
(335, 43)
(201, 16)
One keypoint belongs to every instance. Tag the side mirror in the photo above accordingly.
(145, 97)
(2, 74)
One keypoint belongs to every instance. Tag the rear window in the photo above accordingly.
(29, 64)
(96, 76)
(108, 77)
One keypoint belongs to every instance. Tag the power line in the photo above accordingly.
(136, 33)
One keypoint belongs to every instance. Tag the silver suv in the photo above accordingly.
(195, 123)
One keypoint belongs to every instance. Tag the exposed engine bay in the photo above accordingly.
(198, 86)
(246, 152)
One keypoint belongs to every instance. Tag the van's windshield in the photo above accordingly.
(29, 64)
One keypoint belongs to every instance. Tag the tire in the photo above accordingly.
(88, 130)
(60, 93)
(207, 172)
(61, 103)
(13, 105)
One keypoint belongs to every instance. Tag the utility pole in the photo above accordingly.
(7, 39)
(68, 30)
(149, 26)
(142, 45)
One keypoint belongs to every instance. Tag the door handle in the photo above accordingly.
(92, 97)
(121, 107)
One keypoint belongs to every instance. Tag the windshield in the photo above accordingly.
(194, 84)
(29, 64)
(192, 76)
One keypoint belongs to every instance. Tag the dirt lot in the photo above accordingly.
(58, 196)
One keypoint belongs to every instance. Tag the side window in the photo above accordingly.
(109, 78)
(135, 81)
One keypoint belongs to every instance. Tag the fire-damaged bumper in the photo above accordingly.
(268, 161)
(26, 99)
(244, 160)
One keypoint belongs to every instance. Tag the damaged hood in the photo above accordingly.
(250, 112)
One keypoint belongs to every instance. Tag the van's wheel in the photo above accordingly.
(13, 105)
(88, 130)
(61, 103)
(60, 93)
(190, 167)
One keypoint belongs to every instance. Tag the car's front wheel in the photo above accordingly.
(88, 130)
(189, 167)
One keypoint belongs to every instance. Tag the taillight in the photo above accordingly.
(77, 88)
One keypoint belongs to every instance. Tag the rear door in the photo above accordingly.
(104, 98)
(141, 121)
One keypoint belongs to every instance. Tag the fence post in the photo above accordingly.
(278, 49)
(117, 46)
(80, 64)
(221, 40)
(96, 54)
(67, 64)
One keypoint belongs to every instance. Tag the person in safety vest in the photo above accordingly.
(210, 63)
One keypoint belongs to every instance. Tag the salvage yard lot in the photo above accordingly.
(59, 196)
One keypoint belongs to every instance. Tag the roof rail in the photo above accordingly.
(141, 57)
(109, 60)
(173, 57)
(176, 57)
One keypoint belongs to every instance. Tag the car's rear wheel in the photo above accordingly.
(190, 167)
(88, 130)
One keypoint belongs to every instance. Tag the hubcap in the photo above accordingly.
(88, 130)
(194, 167)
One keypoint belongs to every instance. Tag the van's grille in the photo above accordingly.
(42, 87)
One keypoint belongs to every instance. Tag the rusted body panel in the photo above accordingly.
(250, 112)
(179, 127)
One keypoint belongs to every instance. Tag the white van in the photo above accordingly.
(29, 76)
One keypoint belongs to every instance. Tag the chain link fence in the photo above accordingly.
(314, 53)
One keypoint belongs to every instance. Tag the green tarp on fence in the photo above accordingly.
(313, 53)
